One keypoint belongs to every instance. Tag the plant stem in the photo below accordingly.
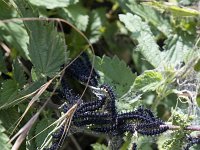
(156, 102)
(173, 127)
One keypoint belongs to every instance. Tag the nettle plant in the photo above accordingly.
(55, 82)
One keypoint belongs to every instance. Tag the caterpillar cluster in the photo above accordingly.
(100, 115)
(69, 94)
(192, 141)
(81, 69)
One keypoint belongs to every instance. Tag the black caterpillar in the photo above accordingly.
(191, 142)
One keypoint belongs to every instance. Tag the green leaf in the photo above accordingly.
(77, 43)
(97, 20)
(7, 10)
(116, 73)
(8, 92)
(4, 139)
(149, 14)
(18, 72)
(51, 4)
(148, 81)
(16, 37)
(141, 31)
(34, 75)
(47, 48)
(48, 54)
(13, 34)
(175, 10)
(176, 141)
(177, 48)
(98, 146)
(79, 18)
(197, 66)
(43, 124)
(9, 118)
(140, 64)
(32, 87)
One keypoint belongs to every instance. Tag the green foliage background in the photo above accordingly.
(138, 46)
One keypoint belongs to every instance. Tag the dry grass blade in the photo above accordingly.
(64, 120)
(5, 48)
(23, 132)
(35, 98)
(19, 99)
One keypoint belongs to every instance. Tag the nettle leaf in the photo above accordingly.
(15, 36)
(140, 64)
(41, 125)
(8, 92)
(4, 139)
(47, 54)
(142, 33)
(149, 14)
(51, 4)
(9, 118)
(79, 18)
(6, 10)
(148, 81)
(18, 72)
(32, 87)
(97, 20)
(116, 73)
(47, 49)
(177, 48)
